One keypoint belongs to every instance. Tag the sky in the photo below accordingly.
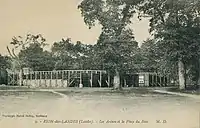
(54, 19)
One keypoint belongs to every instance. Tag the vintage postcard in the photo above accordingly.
(100, 63)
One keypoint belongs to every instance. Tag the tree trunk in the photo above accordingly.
(181, 75)
(198, 81)
(21, 77)
(117, 85)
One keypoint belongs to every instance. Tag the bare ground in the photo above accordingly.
(98, 106)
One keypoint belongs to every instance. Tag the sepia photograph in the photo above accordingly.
(99, 63)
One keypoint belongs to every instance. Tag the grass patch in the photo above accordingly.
(109, 92)
(6, 87)
(30, 94)
(188, 90)
(17, 88)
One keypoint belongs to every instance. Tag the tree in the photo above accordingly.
(148, 56)
(4, 64)
(116, 43)
(62, 53)
(20, 43)
(155, 60)
(71, 55)
(36, 58)
(175, 25)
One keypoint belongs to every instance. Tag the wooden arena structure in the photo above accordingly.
(85, 78)
(62, 78)
(145, 79)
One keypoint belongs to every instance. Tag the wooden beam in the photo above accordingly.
(164, 81)
(80, 84)
(125, 82)
(13, 79)
(160, 78)
(68, 78)
(45, 73)
(91, 77)
(17, 78)
(8, 75)
(62, 79)
(51, 76)
(108, 79)
(40, 73)
(156, 80)
(152, 79)
(56, 78)
(26, 79)
(31, 75)
(168, 81)
(146, 79)
(36, 78)
(132, 77)
(100, 79)
(21, 77)
(30, 79)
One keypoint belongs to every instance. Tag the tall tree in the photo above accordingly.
(175, 24)
(116, 42)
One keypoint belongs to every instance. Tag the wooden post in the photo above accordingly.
(91, 79)
(146, 79)
(45, 78)
(13, 79)
(62, 79)
(164, 81)
(38, 78)
(132, 76)
(8, 76)
(125, 82)
(160, 78)
(68, 78)
(51, 79)
(40, 84)
(21, 77)
(17, 78)
(26, 79)
(80, 84)
(108, 79)
(100, 79)
(56, 78)
(168, 81)
(31, 76)
(30, 79)
(152, 79)
(35, 78)
(156, 81)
